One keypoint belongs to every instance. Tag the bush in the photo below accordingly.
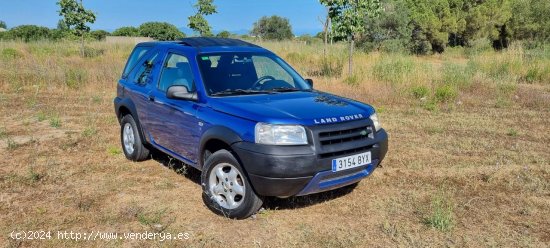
(126, 31)
(223, 34)
(29, 33)
(99, 34)
(160, 31)
(394, 46)
(74, 77)
(332, 67)
(90, 52)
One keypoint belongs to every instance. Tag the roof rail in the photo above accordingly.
(210, 42)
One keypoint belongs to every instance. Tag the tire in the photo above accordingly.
(226, 189)
(131, 140)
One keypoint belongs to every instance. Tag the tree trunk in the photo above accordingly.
(351, 45)
(326, 27)
(82, 45)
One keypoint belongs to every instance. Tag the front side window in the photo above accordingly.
(247, 73)
(176, 71)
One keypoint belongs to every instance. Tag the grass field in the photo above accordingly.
(468, 162)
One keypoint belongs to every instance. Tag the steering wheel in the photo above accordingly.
(255, 85)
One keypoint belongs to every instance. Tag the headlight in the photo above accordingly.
(376, 122)
(270, 134)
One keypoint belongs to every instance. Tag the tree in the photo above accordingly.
(127, 31)
(3, 25)
(160, 31)
(223, 34)
(390, 31)
(273, 28)
(348, 19)
(197, 22)
(76, 17)
(530, 20)
(99, 34)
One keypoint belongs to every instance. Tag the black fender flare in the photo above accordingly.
(129, 104)
(220, 133)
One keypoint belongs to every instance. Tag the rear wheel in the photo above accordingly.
(132, 142)
(226, 190)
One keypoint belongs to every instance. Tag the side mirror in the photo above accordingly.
(310, 82)
(180, 92)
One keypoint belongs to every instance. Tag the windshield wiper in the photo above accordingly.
(285, 89)
(239, 92)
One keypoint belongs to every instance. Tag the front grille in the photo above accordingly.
(345, 141)
(336, 137)
(345, 152)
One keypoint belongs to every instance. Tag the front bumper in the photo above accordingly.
(285, 171)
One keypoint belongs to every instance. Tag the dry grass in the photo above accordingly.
(468, 165)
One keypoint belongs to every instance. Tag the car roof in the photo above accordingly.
(209, 44)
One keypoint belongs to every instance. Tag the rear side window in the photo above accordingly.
(143, 73)
(134, 58)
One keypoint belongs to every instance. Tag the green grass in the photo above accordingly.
(114, 150)
(420, 91)
(11, 144)
(89, 131)
(55, 121)
(512, 132)
(441, 212)
(394, 69)
(445, 93)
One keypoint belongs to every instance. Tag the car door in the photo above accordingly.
(140, 81)
(173, 124)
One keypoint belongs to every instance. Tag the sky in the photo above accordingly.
(233, 15)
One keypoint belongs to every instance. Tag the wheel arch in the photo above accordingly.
(215, 139)
(126, 106)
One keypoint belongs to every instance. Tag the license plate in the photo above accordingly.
(349, 162)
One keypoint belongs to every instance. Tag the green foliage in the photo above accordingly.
(127, 31)
(75, 16)
(74, 77)
(160, 31)
(3, 25)
(198, 22)
(99, 34)
(28, 33)
(10, 53)
(530, 20)
(347, 17)
(223, 34)
(420, 91)
(393, 69)
(445, 93)
(390, 30)
(273, 28)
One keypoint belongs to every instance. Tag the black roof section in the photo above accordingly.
(213, 42)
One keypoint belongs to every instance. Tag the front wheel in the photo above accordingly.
(226, 190)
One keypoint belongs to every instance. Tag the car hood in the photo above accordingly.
(305, 108)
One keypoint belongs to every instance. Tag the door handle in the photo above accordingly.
(151, 98)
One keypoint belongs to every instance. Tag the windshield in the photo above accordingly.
(242, 73)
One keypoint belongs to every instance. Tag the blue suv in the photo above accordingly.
(243, 117)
